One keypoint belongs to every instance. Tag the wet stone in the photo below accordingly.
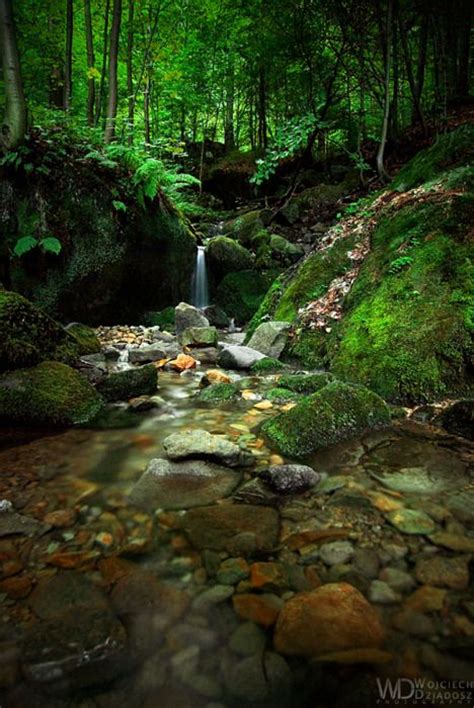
(398, 580)
(201, 444)
(366, 562)
(258, 678)
(410, 521)
(381, 593)
(66, 592)
(247, 639)
(413, 623)
(232, 570)
(12, 523)
(290, 479)
(336, 552)
(181, 485)
(262, 609)
(213, 596)
(444, 572)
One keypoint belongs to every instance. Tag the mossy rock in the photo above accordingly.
(284, 249)
(281, 395)
(308, 348)
(409, 325)
(337, 412)
(224, 255)
(123, 385)
(163, 318)
(240, 294)
(29, 336)
(86, 338)
(267, 366)
(48, 394)
(244, 227)
(218, 393)
(305, 383)
(449, 151)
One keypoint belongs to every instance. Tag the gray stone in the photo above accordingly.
(380, 592)
(260, 678)
(201, 444)
(188, 316)
(213, 596)
(270, 338)
(336, 552)
(397, 579)
(238, 357)
(366, 562)
(12, 523)
(147, 353)
(290, 479)
(172, 485)
(199, 337)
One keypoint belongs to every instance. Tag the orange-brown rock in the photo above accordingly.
(266, 574)
(183, 362)
(61, 518)
(261, 609)
(17, 586)
(332, 618)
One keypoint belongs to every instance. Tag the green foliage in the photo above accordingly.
(305, 383)
(399, 264)
(24, 245)
(218, 393)
(118, 205)
(240, 294)
(153, 175)
(267, 365)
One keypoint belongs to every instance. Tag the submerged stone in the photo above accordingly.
(123, 385)
(290, 479)
(411, 521)
(181, 485)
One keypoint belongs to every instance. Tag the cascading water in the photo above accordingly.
(200, 290)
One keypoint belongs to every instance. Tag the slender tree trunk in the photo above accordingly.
(68, 62)
(417, 109)
(396, 87)
(386, 114)
(146, 109)
(262, 109)
(131, 102)
(113, 62)
(229, 136)
(100, 94)
(464, 51)
(90, 63)
(14, 122)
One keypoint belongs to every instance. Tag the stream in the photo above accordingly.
(108, 603)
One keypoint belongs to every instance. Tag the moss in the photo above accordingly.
(86, 338)
(313, 278)
(224, 255)
(266, 307)
(408, 334)
(448, 151)
(308, 348)
(337, 412)
(28, 335)
(244, 227)
(240, 294)
(48, 394)
(266, 365)
(218, 393)
(163, 319)
(305, 383)
(123, 385)
(281, 395)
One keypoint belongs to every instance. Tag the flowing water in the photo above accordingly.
(117, 606)
(200, 289)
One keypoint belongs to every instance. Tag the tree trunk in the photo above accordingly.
(417, 109)
(90, 63)
(14, 121)
(146, 109)
(100, 94)
(113, 62)
(386, 114)
(131, 102)
(68, 62)
(464, 50)
(229, 136)
(262, 110)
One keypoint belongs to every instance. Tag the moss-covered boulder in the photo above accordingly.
(281, 395)
(199, 337)
(225, 255)
(245, 227)
(240, 294)
(28, 335)
(86, 338)
(337, 412)
(305, 383)
(123, 385)
(50, 393)
(163, 318)
(218, 393)
(284, 250)
(267, 365)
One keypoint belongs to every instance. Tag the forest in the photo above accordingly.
(236, 353)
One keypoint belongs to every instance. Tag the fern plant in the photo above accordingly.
(153, 175)
(48, 244)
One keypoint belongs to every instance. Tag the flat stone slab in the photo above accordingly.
(182, 485)
(12, 523)
(201, 444)
(238, 528)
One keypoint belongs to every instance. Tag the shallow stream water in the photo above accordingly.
(109, 604)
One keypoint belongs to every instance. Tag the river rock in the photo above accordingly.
(260, 678)
(216, 316)
(188, 316)
(12, 523)
(199, 337)
(331, 618)
(411, 521)
(270, 338)
(238, 529)
(172, 485)
(238, 357)
(123, 385)
(247, 639)
(459, 418)
(398, 580)
(336, 552)
(444, 572)
(290, 479)
(382, 593)
(147, 353)
(201, 444)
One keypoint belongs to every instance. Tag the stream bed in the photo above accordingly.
(109, 601)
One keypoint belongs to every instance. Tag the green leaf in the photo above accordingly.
(25, 244)
(50, 244)
(118, 205)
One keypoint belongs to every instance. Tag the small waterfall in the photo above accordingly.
(200, 290)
